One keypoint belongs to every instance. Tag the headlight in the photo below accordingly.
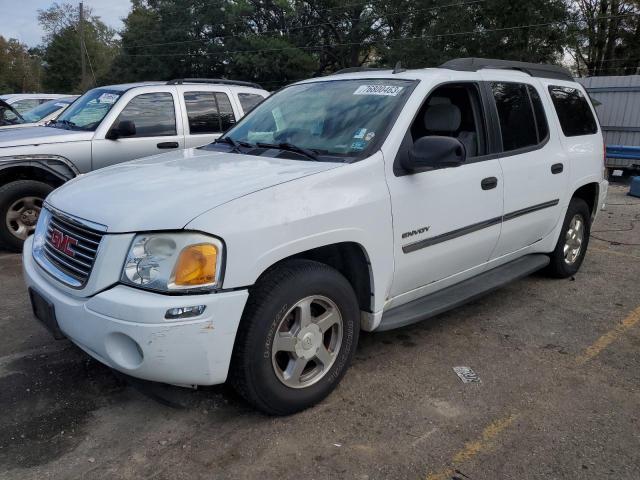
(169, 262)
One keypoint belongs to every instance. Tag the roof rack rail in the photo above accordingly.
(359, 69)
(214, 81)
(541, 70)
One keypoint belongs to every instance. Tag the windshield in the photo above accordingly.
(87, 112)
(44, 110)
(343, 118)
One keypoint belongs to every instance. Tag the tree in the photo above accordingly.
(20, 68)
(604, 36)
(62, 48)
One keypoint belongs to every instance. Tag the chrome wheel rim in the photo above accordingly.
(307, 341)
(22, 216)
(573, 240)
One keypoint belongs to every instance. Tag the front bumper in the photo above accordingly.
(125, 329)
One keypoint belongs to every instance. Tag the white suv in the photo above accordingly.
(363, 200)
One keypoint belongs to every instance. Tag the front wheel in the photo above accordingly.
(297, 337)
(20, 205)
(573, 241)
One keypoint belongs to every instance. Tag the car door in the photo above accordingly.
(533, 163)
(158, 128)
(447, 221)
(208, 113)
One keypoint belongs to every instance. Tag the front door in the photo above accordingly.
(156, 130)
(446, 221)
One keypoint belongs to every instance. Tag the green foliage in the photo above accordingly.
(275, 42)
(20, 68)
(62, 48)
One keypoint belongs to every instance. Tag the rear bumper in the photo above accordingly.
(125, 329)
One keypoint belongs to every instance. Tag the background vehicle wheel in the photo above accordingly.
(297, 337)
(573, 241)
(20, 205)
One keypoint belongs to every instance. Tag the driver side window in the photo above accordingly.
(453, 110)
(153, 114)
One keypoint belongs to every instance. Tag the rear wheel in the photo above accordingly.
(573, 241)
(20, 205)
(297, 337)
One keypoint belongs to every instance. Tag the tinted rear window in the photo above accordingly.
(573, 111)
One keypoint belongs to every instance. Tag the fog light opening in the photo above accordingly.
(184, 312)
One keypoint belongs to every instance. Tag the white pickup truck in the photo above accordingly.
(365, 200)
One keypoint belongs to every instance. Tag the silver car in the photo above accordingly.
(109, 125)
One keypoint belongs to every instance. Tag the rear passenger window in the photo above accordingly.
(249, 101)
(573, 111)
(517, 121)
(153, 114)
(208, 112)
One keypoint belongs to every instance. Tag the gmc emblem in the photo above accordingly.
(63, 242)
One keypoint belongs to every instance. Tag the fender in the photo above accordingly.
(56, 165)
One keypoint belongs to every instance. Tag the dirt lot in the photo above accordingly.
(559, 396)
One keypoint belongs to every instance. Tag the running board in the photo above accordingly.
(461, 293)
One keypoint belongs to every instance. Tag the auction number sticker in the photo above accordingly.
(387, 90)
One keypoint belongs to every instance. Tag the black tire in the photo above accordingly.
(559, 267)
(11, 193)
(252, 373)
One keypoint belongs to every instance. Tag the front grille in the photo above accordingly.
(71, 247)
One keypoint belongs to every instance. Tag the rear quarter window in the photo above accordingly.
(573, 111)
(249, 101)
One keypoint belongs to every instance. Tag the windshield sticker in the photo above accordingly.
(369, 136)
(108, 98)
(358, 145)
(360, 133)
(387, 90)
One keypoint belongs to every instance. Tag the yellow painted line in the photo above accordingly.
(613, 252)
(608, 338)
(476, 447)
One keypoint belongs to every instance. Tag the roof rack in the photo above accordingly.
(215, 81)
(534, 69)
(359, 69)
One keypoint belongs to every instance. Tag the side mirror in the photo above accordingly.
(125, 128)
(434, 152)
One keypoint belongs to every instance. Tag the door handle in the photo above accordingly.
(557, 168)
(489, 183)
(168, 145)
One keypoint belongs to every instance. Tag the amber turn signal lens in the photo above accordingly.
(196, 265)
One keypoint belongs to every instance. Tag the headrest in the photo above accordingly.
(442, 117)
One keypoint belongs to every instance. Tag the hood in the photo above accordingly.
(17, 137)
(5, 106)
(167, 191)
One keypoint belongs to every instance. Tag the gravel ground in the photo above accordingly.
(558, 362)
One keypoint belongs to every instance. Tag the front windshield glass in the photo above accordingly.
(44, 110)
(343, 118)
(87, 112)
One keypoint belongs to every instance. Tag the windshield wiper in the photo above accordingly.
(70, 125)
(234, 143)
(290, 147)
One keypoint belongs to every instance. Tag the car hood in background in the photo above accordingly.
(167, 191)
(17, 137)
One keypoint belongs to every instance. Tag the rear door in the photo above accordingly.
(534, 167)
(208, 113)
(156, 116)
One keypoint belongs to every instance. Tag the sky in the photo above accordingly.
(18, 18)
